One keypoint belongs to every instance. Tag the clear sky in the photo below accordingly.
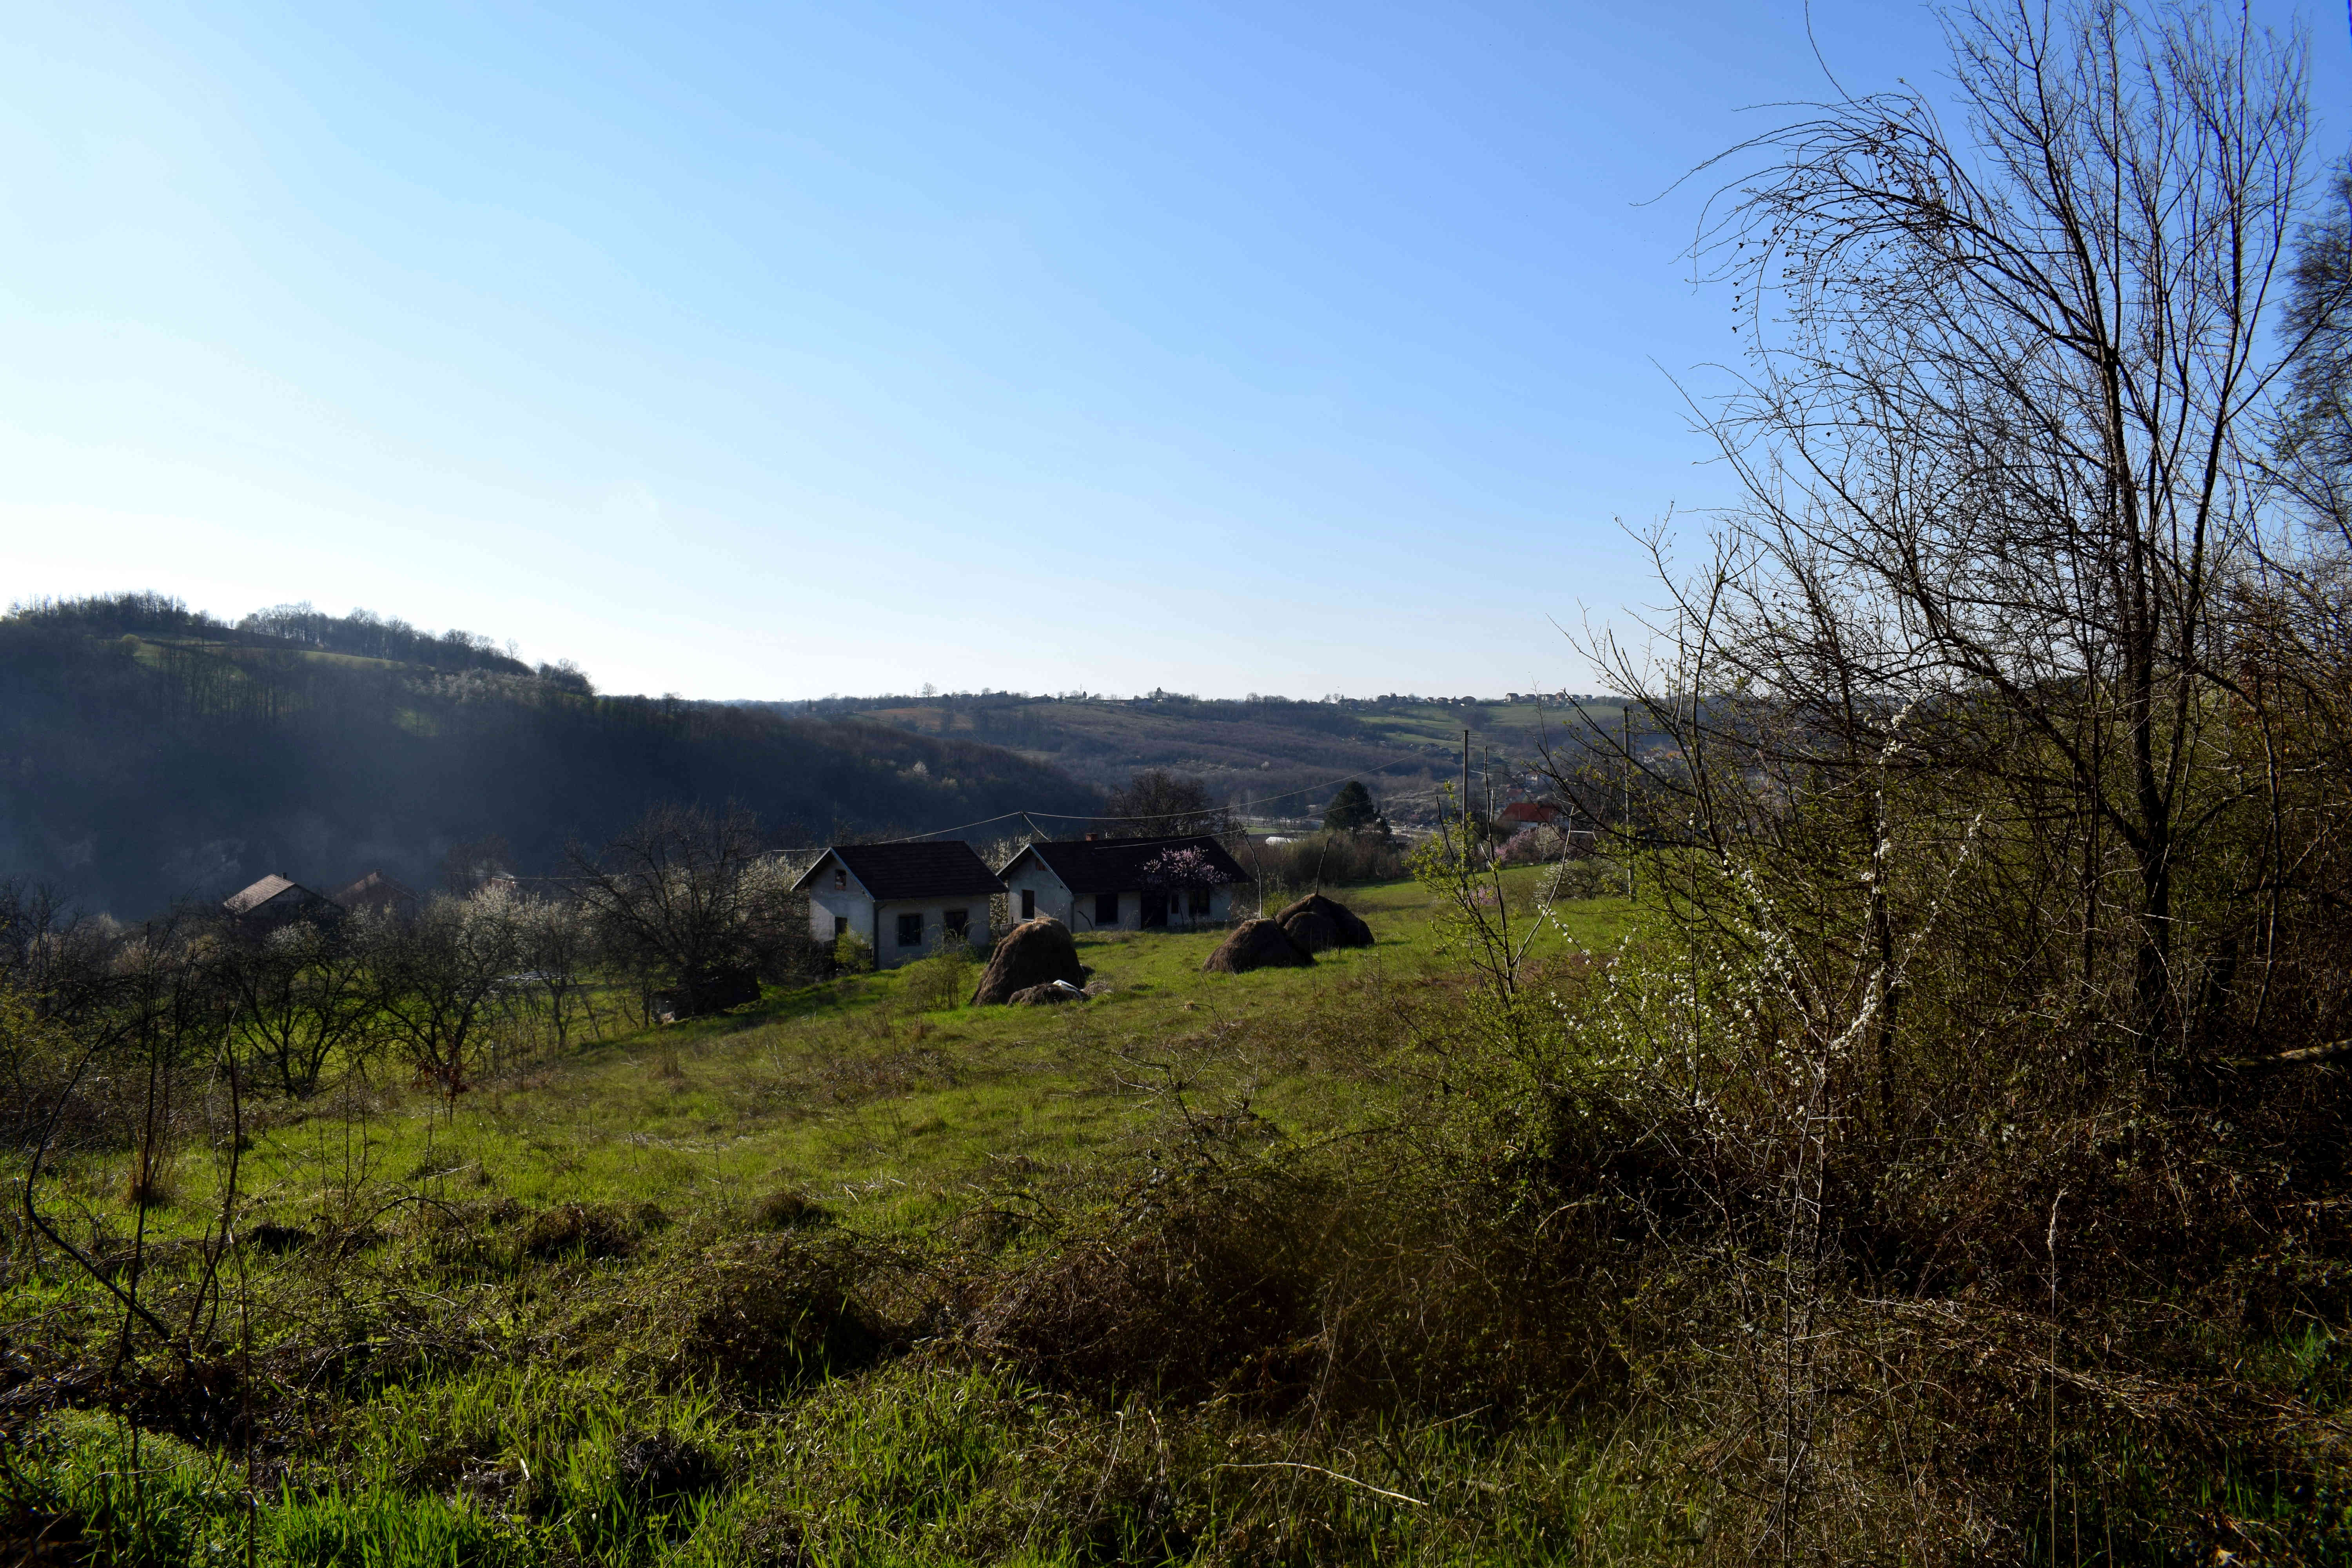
(784, 349)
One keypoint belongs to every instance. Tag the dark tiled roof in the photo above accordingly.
(271, 887)
(1117, 865)
(943, 868)
(1529, 811)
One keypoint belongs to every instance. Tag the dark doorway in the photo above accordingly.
(1028, 903)
(1155, 912)
(1106, 909)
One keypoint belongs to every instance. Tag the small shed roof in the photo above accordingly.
(942, 868)
(247, 899)
(1122, 865)
(1529, 811)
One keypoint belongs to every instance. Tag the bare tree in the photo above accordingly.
(687, 899)
(1160, 804)
(303, 993)
(440, 979)
(1997, 436)
(556, 944)
(1958, 788)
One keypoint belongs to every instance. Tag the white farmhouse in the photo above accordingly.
(1125, 884)
(907, 899)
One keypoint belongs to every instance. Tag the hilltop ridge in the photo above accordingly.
(154, 753)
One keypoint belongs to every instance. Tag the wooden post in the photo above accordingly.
(1625, 724)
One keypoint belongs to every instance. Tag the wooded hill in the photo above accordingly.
(1258, 748)
(148, 753)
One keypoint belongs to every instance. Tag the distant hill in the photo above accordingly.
(1280, 756)
(148, 753)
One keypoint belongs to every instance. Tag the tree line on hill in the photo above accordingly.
(154, 753)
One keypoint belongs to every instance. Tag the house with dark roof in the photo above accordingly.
(377, 892)
(907, 900)
(1125, 884)
(275, 899)
(1521, 814)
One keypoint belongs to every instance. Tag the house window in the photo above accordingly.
(958, 922)
(840, 927)
(1028, 903)
(1196, 901)
(910, 929)
(1106, 909)
(841, 881)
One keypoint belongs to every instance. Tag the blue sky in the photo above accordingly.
(779, 351)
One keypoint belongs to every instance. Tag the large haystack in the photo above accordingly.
(1035, 952)
(1256, 945)
(1351, 930)
(1311, 930)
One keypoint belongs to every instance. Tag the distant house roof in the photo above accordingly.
(273, 889)
(942, 868)
(1122, 865)
(1529, 811)
(373, 891)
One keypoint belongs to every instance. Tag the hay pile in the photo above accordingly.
(1032, 953)
(1259, 944)
(1316, 922)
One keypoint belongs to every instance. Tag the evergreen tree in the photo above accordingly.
(1351, 809)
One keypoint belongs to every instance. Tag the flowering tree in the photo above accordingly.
(1181, 868)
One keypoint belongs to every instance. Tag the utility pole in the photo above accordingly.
(1465, 797)
(1626, 723)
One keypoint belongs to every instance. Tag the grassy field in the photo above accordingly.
(856, 1096)
(816, 1282)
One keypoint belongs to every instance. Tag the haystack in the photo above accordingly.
(1312, 930)
(1260, 943)
(1035, 952)
(1352, 931)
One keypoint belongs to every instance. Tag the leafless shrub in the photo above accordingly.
(1987, 817)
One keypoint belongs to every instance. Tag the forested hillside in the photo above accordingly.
(151, 753)
(1280, 753)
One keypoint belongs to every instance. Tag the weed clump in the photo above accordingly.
(278, 1239)
(941, 981)
(1283, 1285)
(758, 1315)
(578, 1231)
(788, 1208)
(652, 1467)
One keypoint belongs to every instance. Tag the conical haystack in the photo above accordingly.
(1035, 952)
(1352, 931)
(1256, 945)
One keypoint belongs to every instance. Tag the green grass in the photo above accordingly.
(889, 1115)
(473, 1396)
